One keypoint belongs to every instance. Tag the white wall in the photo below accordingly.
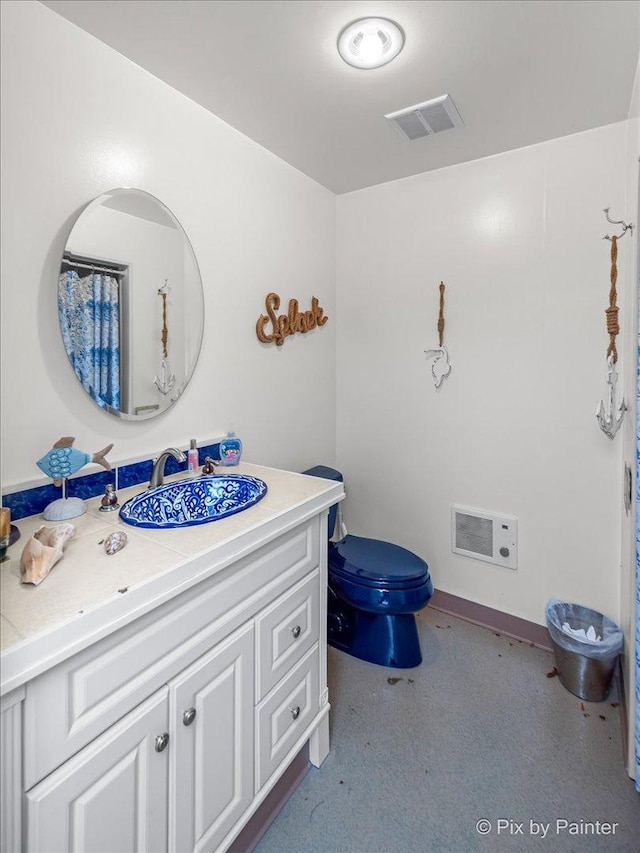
(517, 239)
(78, 120)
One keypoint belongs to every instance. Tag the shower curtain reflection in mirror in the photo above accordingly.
(89, 311)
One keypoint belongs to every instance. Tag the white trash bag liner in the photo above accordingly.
(590, 633)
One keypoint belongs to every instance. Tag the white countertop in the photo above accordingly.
(89, 594)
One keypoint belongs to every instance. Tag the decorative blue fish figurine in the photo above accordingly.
(63, 460)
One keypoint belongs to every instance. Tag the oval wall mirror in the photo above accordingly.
(130, 304)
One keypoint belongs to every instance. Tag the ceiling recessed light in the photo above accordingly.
(370, 42)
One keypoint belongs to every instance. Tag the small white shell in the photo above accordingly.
(115, 542)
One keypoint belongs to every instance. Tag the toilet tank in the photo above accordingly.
(327, 474)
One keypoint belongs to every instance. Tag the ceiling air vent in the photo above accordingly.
(424, 119)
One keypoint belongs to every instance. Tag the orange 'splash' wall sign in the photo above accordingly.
(290, 323)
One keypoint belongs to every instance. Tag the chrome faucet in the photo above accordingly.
(157, 475)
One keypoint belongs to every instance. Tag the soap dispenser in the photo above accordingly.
(230, 449)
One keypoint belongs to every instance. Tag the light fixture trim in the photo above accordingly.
(370, 42)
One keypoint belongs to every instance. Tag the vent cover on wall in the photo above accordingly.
(424, 119)
(485, 536)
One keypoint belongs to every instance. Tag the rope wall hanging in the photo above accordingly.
(610, 416)
(165, 381)
(441, 366)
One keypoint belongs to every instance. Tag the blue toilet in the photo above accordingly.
(375, 588)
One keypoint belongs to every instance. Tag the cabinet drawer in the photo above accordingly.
(68, 706)
(286, 631)
(283, 716)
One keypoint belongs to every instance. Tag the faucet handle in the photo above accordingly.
(109, 500)
(208, 467)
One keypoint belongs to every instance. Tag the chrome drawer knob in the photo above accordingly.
(189, 716)
(296, 632)
(295, 712)
(162, 742)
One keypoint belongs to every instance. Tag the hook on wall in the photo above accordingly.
(625, 227)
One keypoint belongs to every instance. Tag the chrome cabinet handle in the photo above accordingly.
(295, 712)
(162, 742)
(189, 716)
(296, 632)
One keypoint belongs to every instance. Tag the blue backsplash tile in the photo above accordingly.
(90, 485)
(172, 467)
(212, 450)
(133, 475)
(33, 501)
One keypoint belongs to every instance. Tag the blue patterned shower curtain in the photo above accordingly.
(89, 311)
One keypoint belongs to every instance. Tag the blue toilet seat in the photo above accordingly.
(378, 577)
(376, 564)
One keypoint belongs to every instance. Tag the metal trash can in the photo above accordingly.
(585, 666)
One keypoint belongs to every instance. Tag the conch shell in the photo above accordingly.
(43, 551)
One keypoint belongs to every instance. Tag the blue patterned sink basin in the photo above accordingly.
(189, 502)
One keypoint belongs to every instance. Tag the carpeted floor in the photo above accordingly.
(478, 732)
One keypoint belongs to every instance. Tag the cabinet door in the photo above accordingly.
(112, 796)
(211, 767)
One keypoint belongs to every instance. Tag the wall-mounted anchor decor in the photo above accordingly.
(441, 366)
(610, 416)
(290, 323)
(167, 379)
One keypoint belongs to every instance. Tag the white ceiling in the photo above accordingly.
(519, 72)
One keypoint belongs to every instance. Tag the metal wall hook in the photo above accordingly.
(625, 227)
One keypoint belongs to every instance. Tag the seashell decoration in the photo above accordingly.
(115, 542)
(43, 551)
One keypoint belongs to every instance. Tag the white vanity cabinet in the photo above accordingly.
(169, 731)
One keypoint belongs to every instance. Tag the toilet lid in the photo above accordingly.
(375, 563)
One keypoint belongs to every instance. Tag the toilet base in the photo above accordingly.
(380, 638)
